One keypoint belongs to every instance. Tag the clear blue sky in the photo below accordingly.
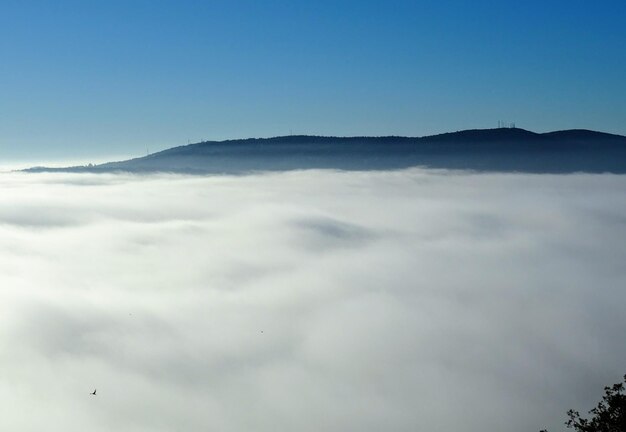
(97, 78)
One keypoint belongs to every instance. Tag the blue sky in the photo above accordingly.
(81, 79)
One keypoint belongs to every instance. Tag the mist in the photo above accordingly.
(309, 300)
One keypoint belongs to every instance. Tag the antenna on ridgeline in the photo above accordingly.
(147, 151)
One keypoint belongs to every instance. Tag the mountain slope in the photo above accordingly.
(478, 149)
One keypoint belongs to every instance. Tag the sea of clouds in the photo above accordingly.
(309, 301)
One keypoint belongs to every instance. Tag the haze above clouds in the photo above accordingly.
(309, 301)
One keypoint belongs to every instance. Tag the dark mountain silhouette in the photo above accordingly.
(502, 149)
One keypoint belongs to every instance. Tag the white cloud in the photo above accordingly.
(309, 301)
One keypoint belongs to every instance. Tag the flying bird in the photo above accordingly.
(94, 392)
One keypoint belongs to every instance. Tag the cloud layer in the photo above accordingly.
(309, 301)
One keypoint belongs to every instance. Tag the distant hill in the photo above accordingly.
(502, 149)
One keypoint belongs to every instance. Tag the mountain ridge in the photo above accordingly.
(501, 149)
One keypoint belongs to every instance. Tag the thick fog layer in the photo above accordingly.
(309, 301)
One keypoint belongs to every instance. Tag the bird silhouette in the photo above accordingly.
(94, 392)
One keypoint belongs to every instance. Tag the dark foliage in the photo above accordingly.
(608, 416)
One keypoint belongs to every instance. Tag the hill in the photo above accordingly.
(501, 149)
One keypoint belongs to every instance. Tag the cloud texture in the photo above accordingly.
(309, 301)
